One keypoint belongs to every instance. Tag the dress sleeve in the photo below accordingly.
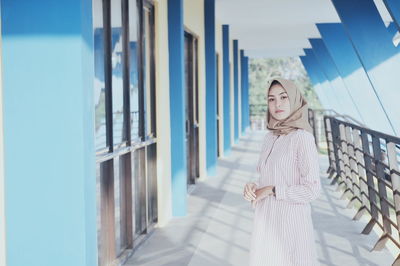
(309, 186)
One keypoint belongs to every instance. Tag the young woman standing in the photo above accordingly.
(288, 181)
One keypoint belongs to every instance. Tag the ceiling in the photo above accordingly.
(278, 28)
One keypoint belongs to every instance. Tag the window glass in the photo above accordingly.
(133, 86)
(99, 85)
(117, 71)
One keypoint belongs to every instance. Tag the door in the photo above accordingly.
(191, 108)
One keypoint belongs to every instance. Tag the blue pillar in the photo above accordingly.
(177, 107)
(329, 68)
(236, 88)
(349, 66)
(50, 178)
(246, 92)
(227, 86)
(315, 82)
(242, 91)
(211, 87)
(375, 50)
(393, 6)
(334, 101)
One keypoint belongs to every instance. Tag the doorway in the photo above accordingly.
(191, 108)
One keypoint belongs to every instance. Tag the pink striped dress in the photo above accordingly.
(283, 230)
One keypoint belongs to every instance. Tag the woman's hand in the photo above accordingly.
(249, 191)
(263, 192)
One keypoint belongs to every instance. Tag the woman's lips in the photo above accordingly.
(279, 111)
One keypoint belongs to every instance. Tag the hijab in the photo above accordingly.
(298, 117)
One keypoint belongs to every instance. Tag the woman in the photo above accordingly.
(289, 180)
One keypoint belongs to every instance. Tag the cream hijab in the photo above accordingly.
(298, 117)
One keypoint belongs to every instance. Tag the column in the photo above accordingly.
(227, 84)
(48, 110)
(236, 88)
(177, 107)
(211, 87)
(242, 91)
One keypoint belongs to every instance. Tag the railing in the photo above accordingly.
(365, 163)
(258, 123)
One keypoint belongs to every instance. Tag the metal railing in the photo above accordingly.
(365, 163)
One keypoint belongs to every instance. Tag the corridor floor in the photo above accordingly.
(217, 228)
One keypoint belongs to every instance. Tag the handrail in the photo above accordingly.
(366, 164)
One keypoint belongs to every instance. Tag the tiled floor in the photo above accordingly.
(217, 229)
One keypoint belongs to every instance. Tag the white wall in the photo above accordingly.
(163, 114)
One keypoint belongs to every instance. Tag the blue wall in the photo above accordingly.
(49, 132)
(177, 107)
(211, 87)
(227, 90)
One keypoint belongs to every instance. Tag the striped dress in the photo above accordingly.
(282, 230)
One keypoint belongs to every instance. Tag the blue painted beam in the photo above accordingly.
(177, 107)
(315, 82)
(393, 6)
(236, 89)
(48, 98)
(227, 85)
(328, 66)
(211, 87)
(375, 49)
(392, 29)
(351, 70)
(334, 101)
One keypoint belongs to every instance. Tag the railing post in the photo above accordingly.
(380, 174)
(328, 136)
(336, 149)
(395, 180)
(311, 119)
(362, 177)
(345, 165)
(352, 167)
(370, 182)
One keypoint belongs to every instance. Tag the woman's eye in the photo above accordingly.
(284, 97)
(270, 100)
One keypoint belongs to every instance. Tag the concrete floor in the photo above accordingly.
(217, 229)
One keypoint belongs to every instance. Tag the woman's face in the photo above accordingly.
(278, 102)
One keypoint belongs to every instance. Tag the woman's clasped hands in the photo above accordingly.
(254, 194)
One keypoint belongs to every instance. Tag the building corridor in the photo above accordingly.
(217, 229)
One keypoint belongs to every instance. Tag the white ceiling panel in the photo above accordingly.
(276, 28)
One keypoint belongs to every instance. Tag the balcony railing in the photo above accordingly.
(365, 164)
